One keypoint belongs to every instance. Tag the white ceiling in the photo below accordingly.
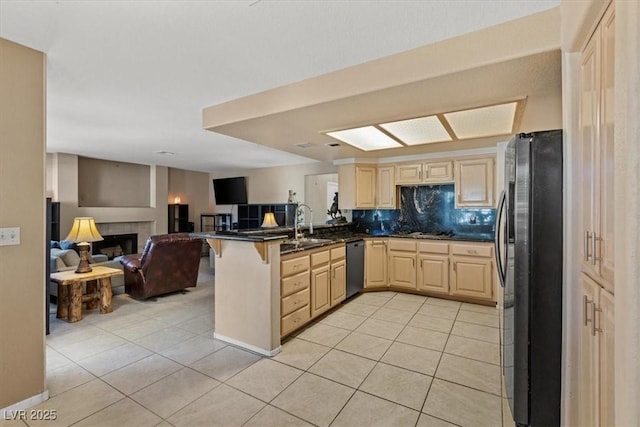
(128, 78)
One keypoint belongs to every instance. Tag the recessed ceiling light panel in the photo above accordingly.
(423, 130)
(366, 138)
(485, 121)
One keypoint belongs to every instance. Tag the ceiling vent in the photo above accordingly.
(304, 145)
(333, 144)
(166, 153)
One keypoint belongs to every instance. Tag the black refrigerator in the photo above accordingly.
(529, 258)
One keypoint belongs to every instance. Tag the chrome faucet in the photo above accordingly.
(297, 235)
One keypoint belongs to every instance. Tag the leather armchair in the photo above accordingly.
(168, 263)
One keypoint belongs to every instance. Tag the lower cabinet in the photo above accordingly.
(294, 292)
(338, 275)
(471, 271)
(320, 290)
(311, 283)
(402, 263)
(596, 363)
(375, 264)
(435, 267)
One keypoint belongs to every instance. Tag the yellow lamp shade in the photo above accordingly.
(84, 230)
(269, 220)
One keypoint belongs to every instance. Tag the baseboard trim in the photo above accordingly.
(253, 348)
(24, 404)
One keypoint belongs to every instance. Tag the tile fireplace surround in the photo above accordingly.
(142, 228)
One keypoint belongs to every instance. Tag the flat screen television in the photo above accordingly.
(230, 191)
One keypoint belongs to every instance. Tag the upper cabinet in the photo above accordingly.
(596, 128)
(386, 187)
(366, 187)
(475, 183)
(424, 173)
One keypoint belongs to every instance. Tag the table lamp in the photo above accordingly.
(269, 220)
(83, 232)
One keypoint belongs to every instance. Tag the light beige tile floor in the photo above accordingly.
(381, 359)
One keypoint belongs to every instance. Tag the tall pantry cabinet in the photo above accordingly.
(596, 366)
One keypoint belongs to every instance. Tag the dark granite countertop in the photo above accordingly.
(326, 237)
(254, 237)
(458, 237)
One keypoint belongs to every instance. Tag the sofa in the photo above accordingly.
(68, 259)
(168, 263)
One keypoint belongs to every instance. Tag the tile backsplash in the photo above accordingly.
(429, 209)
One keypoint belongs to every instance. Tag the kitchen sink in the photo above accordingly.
(302, 243)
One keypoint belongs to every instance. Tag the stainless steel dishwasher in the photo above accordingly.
(355, 267)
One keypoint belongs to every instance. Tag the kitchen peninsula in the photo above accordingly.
(247, 290)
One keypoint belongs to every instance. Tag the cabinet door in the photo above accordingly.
(474, 182)
(375, 264)
(402, 269)
(365, 187)
(588, 357)
(606, 364)
(605, 152)
(589, 129)
(338, 282)
(438, 171)
(409, 174)
(386, 188)
(472, 277)
(320, 290)
(433, 273)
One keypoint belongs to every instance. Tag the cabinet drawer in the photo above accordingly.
(295, 301)
(434, 247)
(472, 250)
(294, 266)
(295, 283)
(294, 320)
(320, 258)
(337, 253)
(402, 245)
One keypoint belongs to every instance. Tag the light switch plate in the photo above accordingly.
(9, 236)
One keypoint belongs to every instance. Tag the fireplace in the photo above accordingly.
(115, 245)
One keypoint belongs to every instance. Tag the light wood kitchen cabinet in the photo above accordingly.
(402, 263)
(338, 275)
(312, 282)
(409, 174)
(475, 182)
(357, 185)
(433, 267)
(320, 281)
(595, 173)
(438, 172)
(596, 375)
(320, 290)
(366, 187)
(294, 292)
(424, 173)
(386, 188)
(471, 271)
(597, 144)
(375, 264)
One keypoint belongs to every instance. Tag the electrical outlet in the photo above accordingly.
(9, 236)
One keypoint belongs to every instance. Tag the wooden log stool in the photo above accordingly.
(71, 297)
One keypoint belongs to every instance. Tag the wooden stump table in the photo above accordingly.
(71, 297)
